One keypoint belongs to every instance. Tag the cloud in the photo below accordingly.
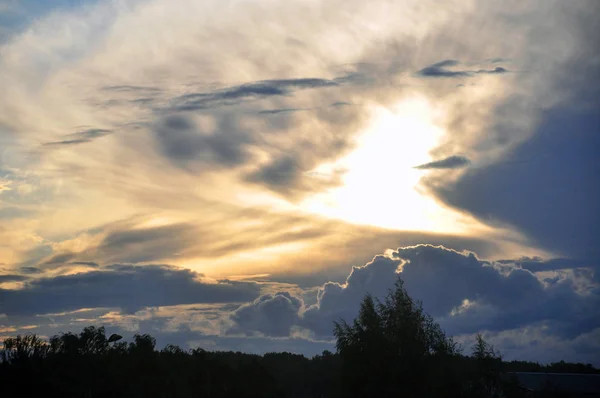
(337, 301)
(288, 174)
(280, 173)
(465, 294)
(451, 162)
(90, 264)
(127, 88)
(4, 185)
(497, 70)
(124, 242)
(269, 315)
(279, 111)
(81, 137)
(249, 91)
(58, 259)
(181, 141)
(554, 264)
(560, 212)
(31, 270)
(227, 237)
(440, 69)
(339, 104)
(12, 278)
(128, 287)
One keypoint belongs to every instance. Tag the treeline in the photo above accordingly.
(555, 367)
(393, 348)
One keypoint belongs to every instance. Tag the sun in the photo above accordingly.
(379, 188)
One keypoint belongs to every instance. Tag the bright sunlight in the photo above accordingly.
(380, 185)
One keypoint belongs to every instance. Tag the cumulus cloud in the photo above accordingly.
(451, 162)
(536, 264)
(464, 293)
(270, 315)
(128, 287)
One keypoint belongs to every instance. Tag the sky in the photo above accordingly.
(237, 175)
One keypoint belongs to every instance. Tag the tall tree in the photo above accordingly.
(394, 348)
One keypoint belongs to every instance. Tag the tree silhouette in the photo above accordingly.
(394, 348)
(486, 378)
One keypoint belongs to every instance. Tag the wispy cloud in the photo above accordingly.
(235, 94)
(81, 137)
(451, 162)
(441, 69)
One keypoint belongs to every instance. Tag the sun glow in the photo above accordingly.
(380, 186)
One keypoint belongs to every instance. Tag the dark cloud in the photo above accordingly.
(81, 137)
(235, 94)
(465, 294)
(31, 270)
(500, 297)
(123, 243)
(496, 70)
(58, 259)
(279, 111)
(440, 70)
(12, 278)
(280, 173)
(547, 187)
(341, 104)
(288, 175)
(183, 144)
(233, 142)
(128, 287)
(451, 162)
(540, 265)
(269, 315)
(146, 244)
(90, 264)
(337, 301)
